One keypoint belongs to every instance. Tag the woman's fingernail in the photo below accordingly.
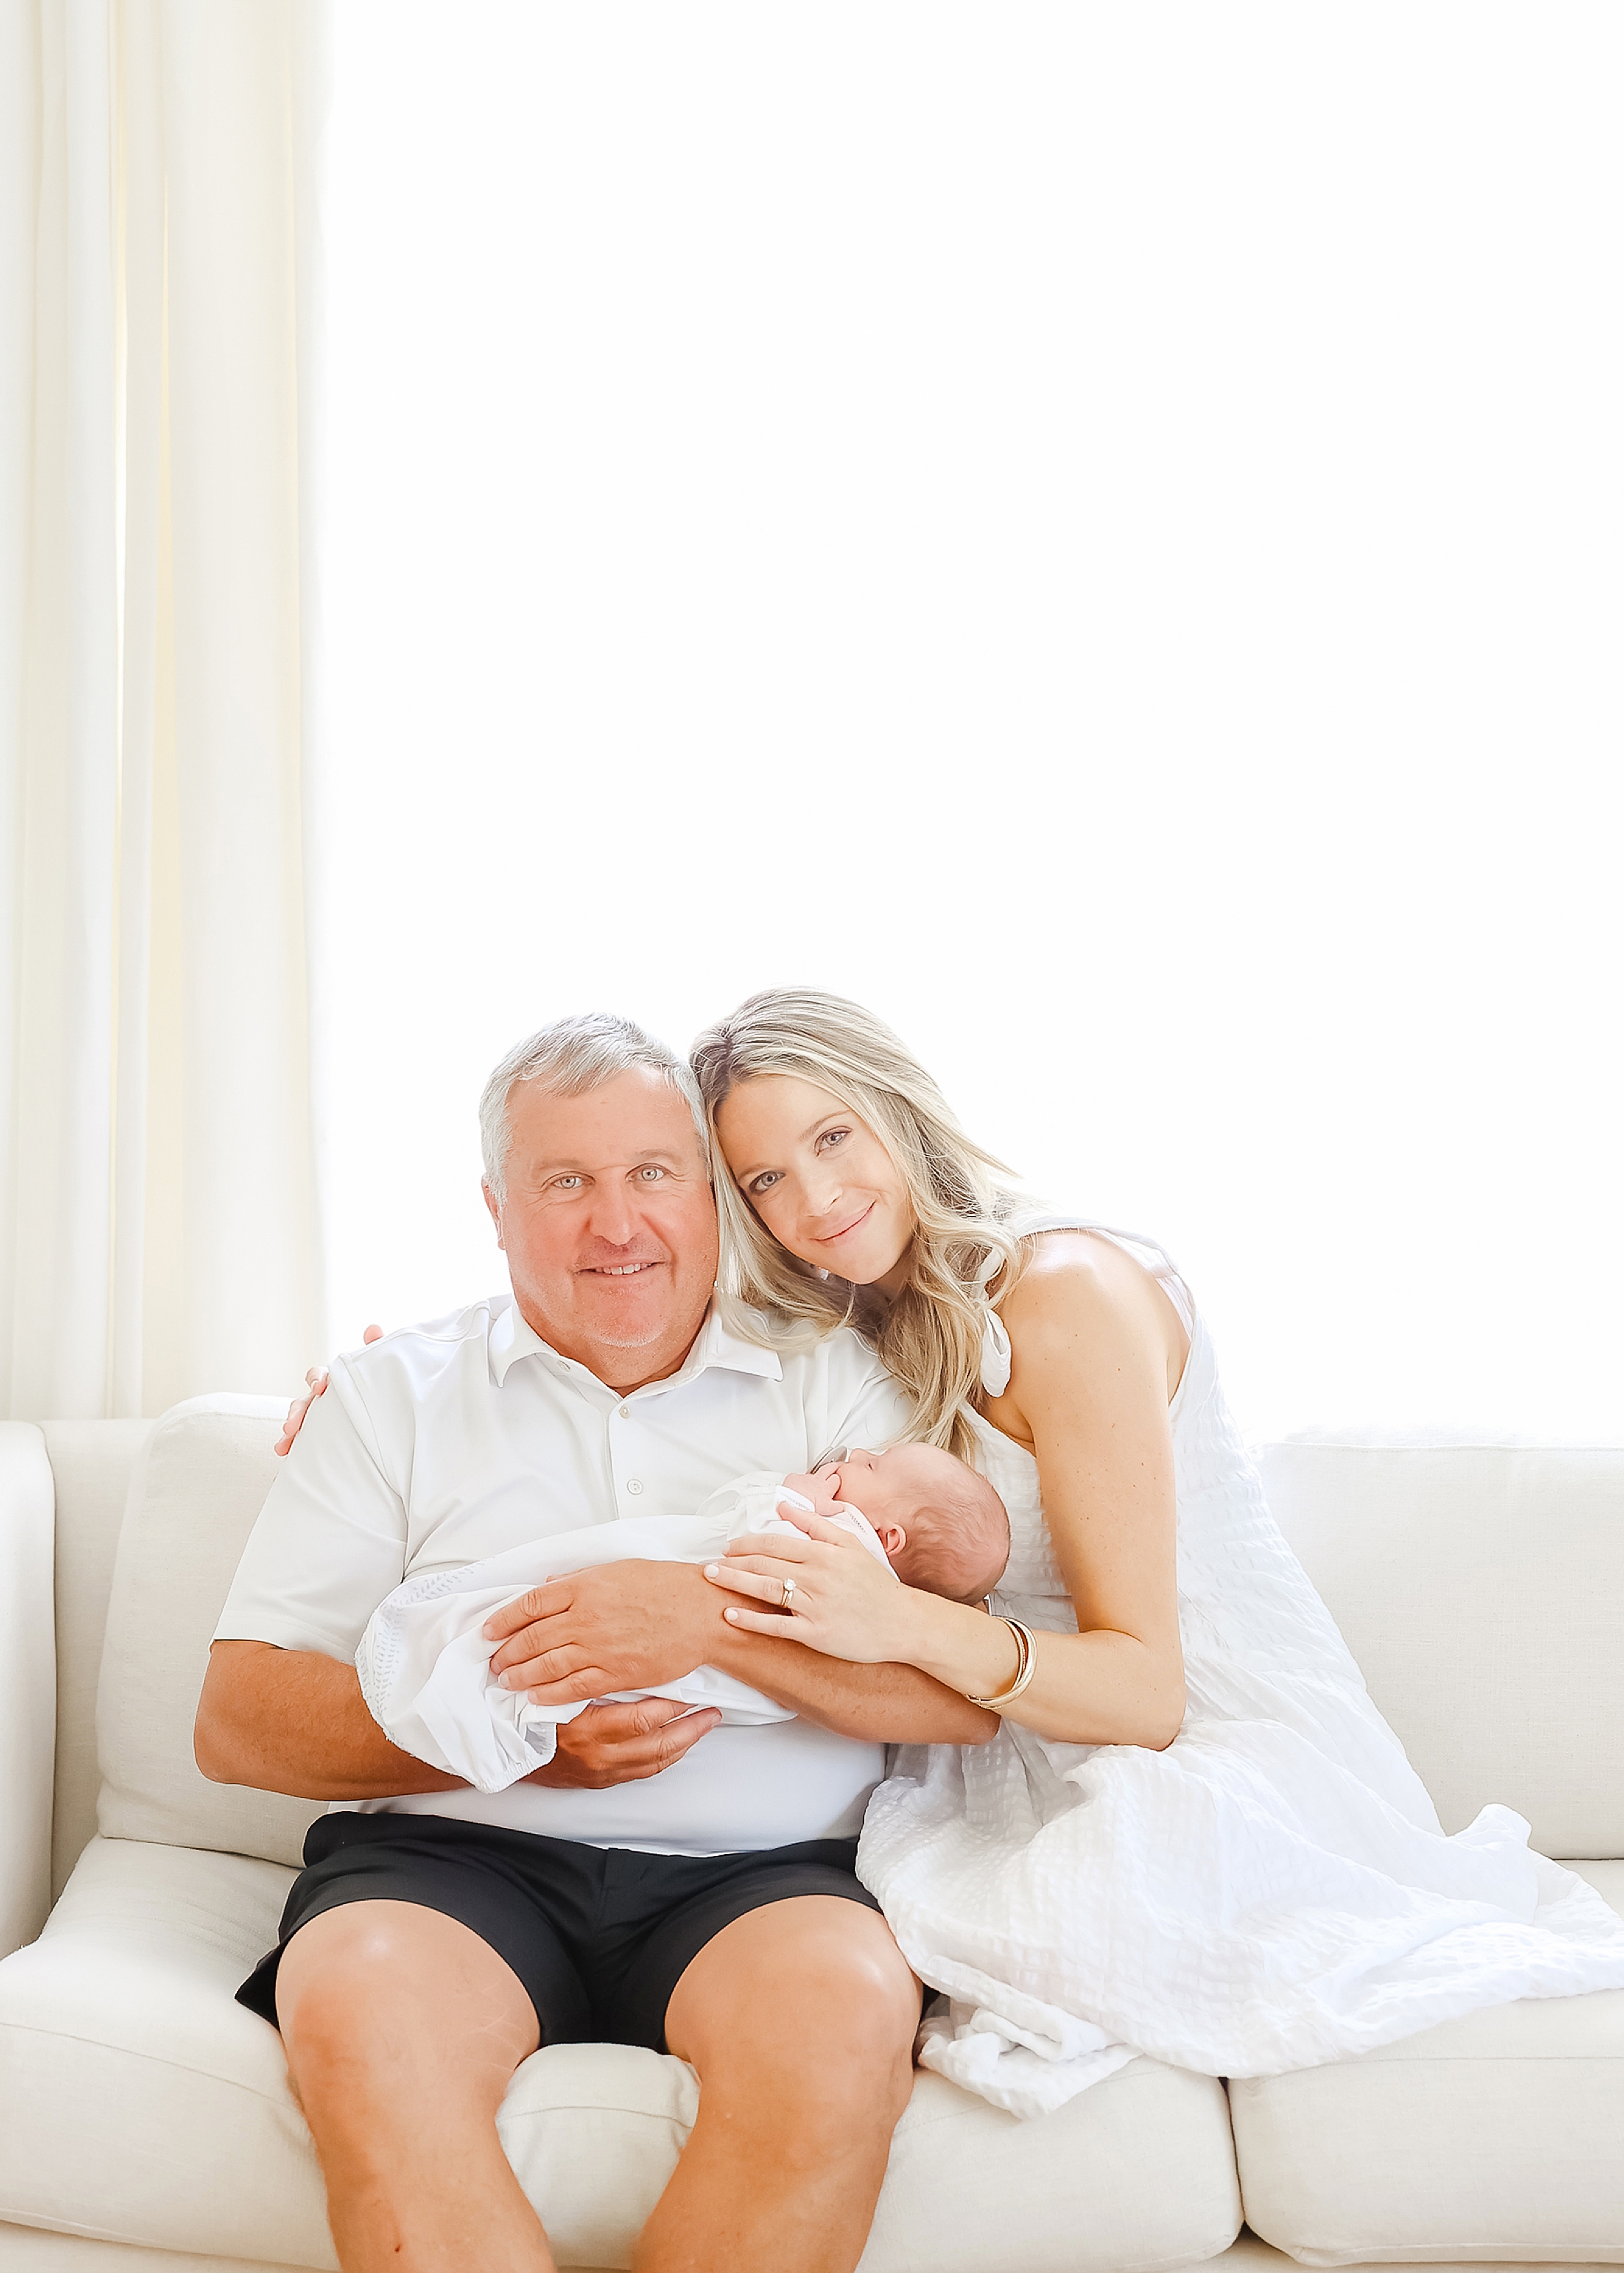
(713, 1570)
(731, 1614)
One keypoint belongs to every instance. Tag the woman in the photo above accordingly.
(1194, 1836)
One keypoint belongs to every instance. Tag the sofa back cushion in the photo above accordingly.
(1481, 1589)
(199, 1484)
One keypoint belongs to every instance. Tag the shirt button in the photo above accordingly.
(626, 1411)
(634, 1484)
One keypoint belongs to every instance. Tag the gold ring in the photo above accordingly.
(788, 1603)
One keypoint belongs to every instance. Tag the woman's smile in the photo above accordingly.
(828, 1238)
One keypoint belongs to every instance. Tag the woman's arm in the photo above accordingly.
(637, 1625)
(1095, 1348)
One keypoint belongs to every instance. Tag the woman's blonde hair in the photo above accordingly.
(931, 1336)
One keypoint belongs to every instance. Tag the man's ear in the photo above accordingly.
(496, 1212)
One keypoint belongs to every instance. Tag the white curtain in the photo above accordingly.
(159, 1231)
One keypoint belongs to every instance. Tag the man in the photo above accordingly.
(664, 1879)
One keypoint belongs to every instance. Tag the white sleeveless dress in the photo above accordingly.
(1273, 1891)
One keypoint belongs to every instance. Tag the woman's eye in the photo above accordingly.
(763, 1184)
(833, 1135)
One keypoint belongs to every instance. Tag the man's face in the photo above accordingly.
(608, 1224)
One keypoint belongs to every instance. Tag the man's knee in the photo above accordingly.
(814, 1992)
(380, 2001)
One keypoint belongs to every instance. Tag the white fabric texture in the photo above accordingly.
(445, 1444)
(425, 1665)
(1271, 1892)
(156, 1148)
(1501, 1670)
(1492, 2134)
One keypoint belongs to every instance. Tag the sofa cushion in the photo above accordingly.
(92, 1462)
(118, 2028)
(199, 1483)
(1498, 2137)
(1481, 1590)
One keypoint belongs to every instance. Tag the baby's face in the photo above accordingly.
(943, 1528)
(891, 1487)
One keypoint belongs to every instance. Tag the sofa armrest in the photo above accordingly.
(28, 1682)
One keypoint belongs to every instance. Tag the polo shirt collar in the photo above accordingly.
(513, 1336)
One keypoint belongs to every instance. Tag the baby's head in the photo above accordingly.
(944, 1528)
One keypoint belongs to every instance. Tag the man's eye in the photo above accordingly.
(651, 1175)
(566, 1183)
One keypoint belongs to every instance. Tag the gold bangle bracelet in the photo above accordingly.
(1026, 1666)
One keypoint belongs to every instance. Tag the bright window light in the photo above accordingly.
(1094, 531)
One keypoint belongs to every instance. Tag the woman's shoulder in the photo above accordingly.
(1072, 1266)
(1078, 1285)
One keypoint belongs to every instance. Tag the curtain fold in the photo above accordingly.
(159, 1224)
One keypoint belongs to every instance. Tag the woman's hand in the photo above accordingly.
(316, 1380)
(842, 1602)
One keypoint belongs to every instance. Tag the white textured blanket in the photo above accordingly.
(425, 1665)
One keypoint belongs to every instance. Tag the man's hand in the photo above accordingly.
(619, 1625)
(640, 1626)
(609, 1745)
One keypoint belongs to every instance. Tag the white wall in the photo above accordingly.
(1094, 530)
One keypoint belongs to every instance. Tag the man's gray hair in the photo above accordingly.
(566, 1060)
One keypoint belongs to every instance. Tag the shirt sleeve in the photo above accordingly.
(867, 1406)
(330, 1543)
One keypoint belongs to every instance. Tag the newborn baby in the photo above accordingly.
(425, 1665)
(944, 1529)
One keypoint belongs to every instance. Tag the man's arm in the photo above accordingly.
(294, 1720)
(638, 1625)
(886, 1704)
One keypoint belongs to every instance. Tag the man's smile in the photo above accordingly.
(615, 1270)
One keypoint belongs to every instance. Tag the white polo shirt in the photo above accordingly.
(444, 1443)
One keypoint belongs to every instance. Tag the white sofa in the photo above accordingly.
(146, 2122)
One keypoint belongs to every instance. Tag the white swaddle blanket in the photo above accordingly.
(425, 1665)
(1273, 1891)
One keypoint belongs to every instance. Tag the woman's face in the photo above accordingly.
(819, 1178)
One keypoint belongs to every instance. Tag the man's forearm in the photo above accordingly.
(294, 1722)
(886, 1704)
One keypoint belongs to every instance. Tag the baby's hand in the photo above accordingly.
(820, 1489)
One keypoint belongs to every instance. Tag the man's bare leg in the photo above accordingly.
(800, 2018)
(403, 2030)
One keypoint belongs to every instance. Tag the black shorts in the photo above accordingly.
(600, 1936)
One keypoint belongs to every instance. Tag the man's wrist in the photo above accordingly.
(697, 1610)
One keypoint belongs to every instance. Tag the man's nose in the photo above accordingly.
(610, 1217)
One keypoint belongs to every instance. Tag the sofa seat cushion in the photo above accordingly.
(1498, 2137)
(140, 2104)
